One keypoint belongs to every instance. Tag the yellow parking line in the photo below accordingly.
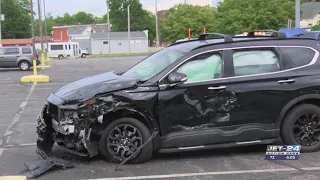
(13, 178)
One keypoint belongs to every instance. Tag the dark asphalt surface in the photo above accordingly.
(20, 106)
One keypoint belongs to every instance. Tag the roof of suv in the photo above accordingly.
(198, 43)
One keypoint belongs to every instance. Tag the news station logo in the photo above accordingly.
(287, 152)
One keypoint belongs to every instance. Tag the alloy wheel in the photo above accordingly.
(24, 66)
(123, 141)
(306, 129)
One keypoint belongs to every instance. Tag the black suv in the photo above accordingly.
(198, 94)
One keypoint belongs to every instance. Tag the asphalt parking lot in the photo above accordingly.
(21, 103)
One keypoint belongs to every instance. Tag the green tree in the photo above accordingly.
(17, 19)
(140, 19)
(183, 16)
(234, 16)
(83, 18)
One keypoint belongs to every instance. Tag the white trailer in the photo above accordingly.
(63, 49)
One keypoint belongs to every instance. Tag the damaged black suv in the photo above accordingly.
(199, 94)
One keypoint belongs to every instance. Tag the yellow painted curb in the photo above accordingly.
(35, 78)
(13, 178)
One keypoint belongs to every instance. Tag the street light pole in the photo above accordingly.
(129, 35)
(40, 25)
(32, 27)
(0, 25)
(297, 13)
(45, 25)
(108, 22)
(157, 28)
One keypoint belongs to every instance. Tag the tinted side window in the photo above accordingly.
(250, 62)
(298, 56)
(56, 47)
(26, 51)
(203, 67)
(10, 51)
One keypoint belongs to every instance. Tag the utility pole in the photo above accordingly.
(108, 22)
(129, 35)
(40, 25)
(157, 28)
(297, 13)
(32, 27)
(45, 25)
(0, 25)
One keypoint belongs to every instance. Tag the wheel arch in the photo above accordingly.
(24, 59)
(127, 113)
(304, 99)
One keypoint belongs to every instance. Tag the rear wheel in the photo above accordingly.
(302, 126)
(60, 56)
(122, 138)
(24, 65)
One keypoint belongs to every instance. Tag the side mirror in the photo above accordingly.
(177, 78)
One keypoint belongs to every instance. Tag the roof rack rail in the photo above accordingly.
(273, 33)
(227, 38)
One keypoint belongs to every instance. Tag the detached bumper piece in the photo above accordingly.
(46, 163)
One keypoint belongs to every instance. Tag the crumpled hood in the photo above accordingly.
(87, 88)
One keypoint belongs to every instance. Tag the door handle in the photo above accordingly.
(287, 81)
(217, 88)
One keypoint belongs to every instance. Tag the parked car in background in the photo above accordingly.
(18, 56)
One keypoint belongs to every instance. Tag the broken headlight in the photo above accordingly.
(87, 103)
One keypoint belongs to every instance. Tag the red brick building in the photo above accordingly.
(162, 14)
(60, 34)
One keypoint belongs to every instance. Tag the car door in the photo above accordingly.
(11, 55)
(262, 87)
(199, 105)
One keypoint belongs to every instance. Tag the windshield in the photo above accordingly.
(154, 64)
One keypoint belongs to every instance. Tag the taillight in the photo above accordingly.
(36, 56)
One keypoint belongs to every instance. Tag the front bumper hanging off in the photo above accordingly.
(50, 131)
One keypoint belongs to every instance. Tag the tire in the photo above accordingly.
(60, 56)
(289, 126)
(24, 65)
(83, 55)
(143, 156)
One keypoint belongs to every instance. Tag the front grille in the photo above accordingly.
(53, 111)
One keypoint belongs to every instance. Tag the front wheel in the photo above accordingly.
(122, 138)
(83, 55)
(302, 127)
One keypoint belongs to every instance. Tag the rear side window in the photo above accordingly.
(298, 56)
(26, 51)
(10, 51)
(250, 62)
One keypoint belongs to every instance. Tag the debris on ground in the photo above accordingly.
(46, 163)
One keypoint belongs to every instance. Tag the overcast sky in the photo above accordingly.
(98, 7)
